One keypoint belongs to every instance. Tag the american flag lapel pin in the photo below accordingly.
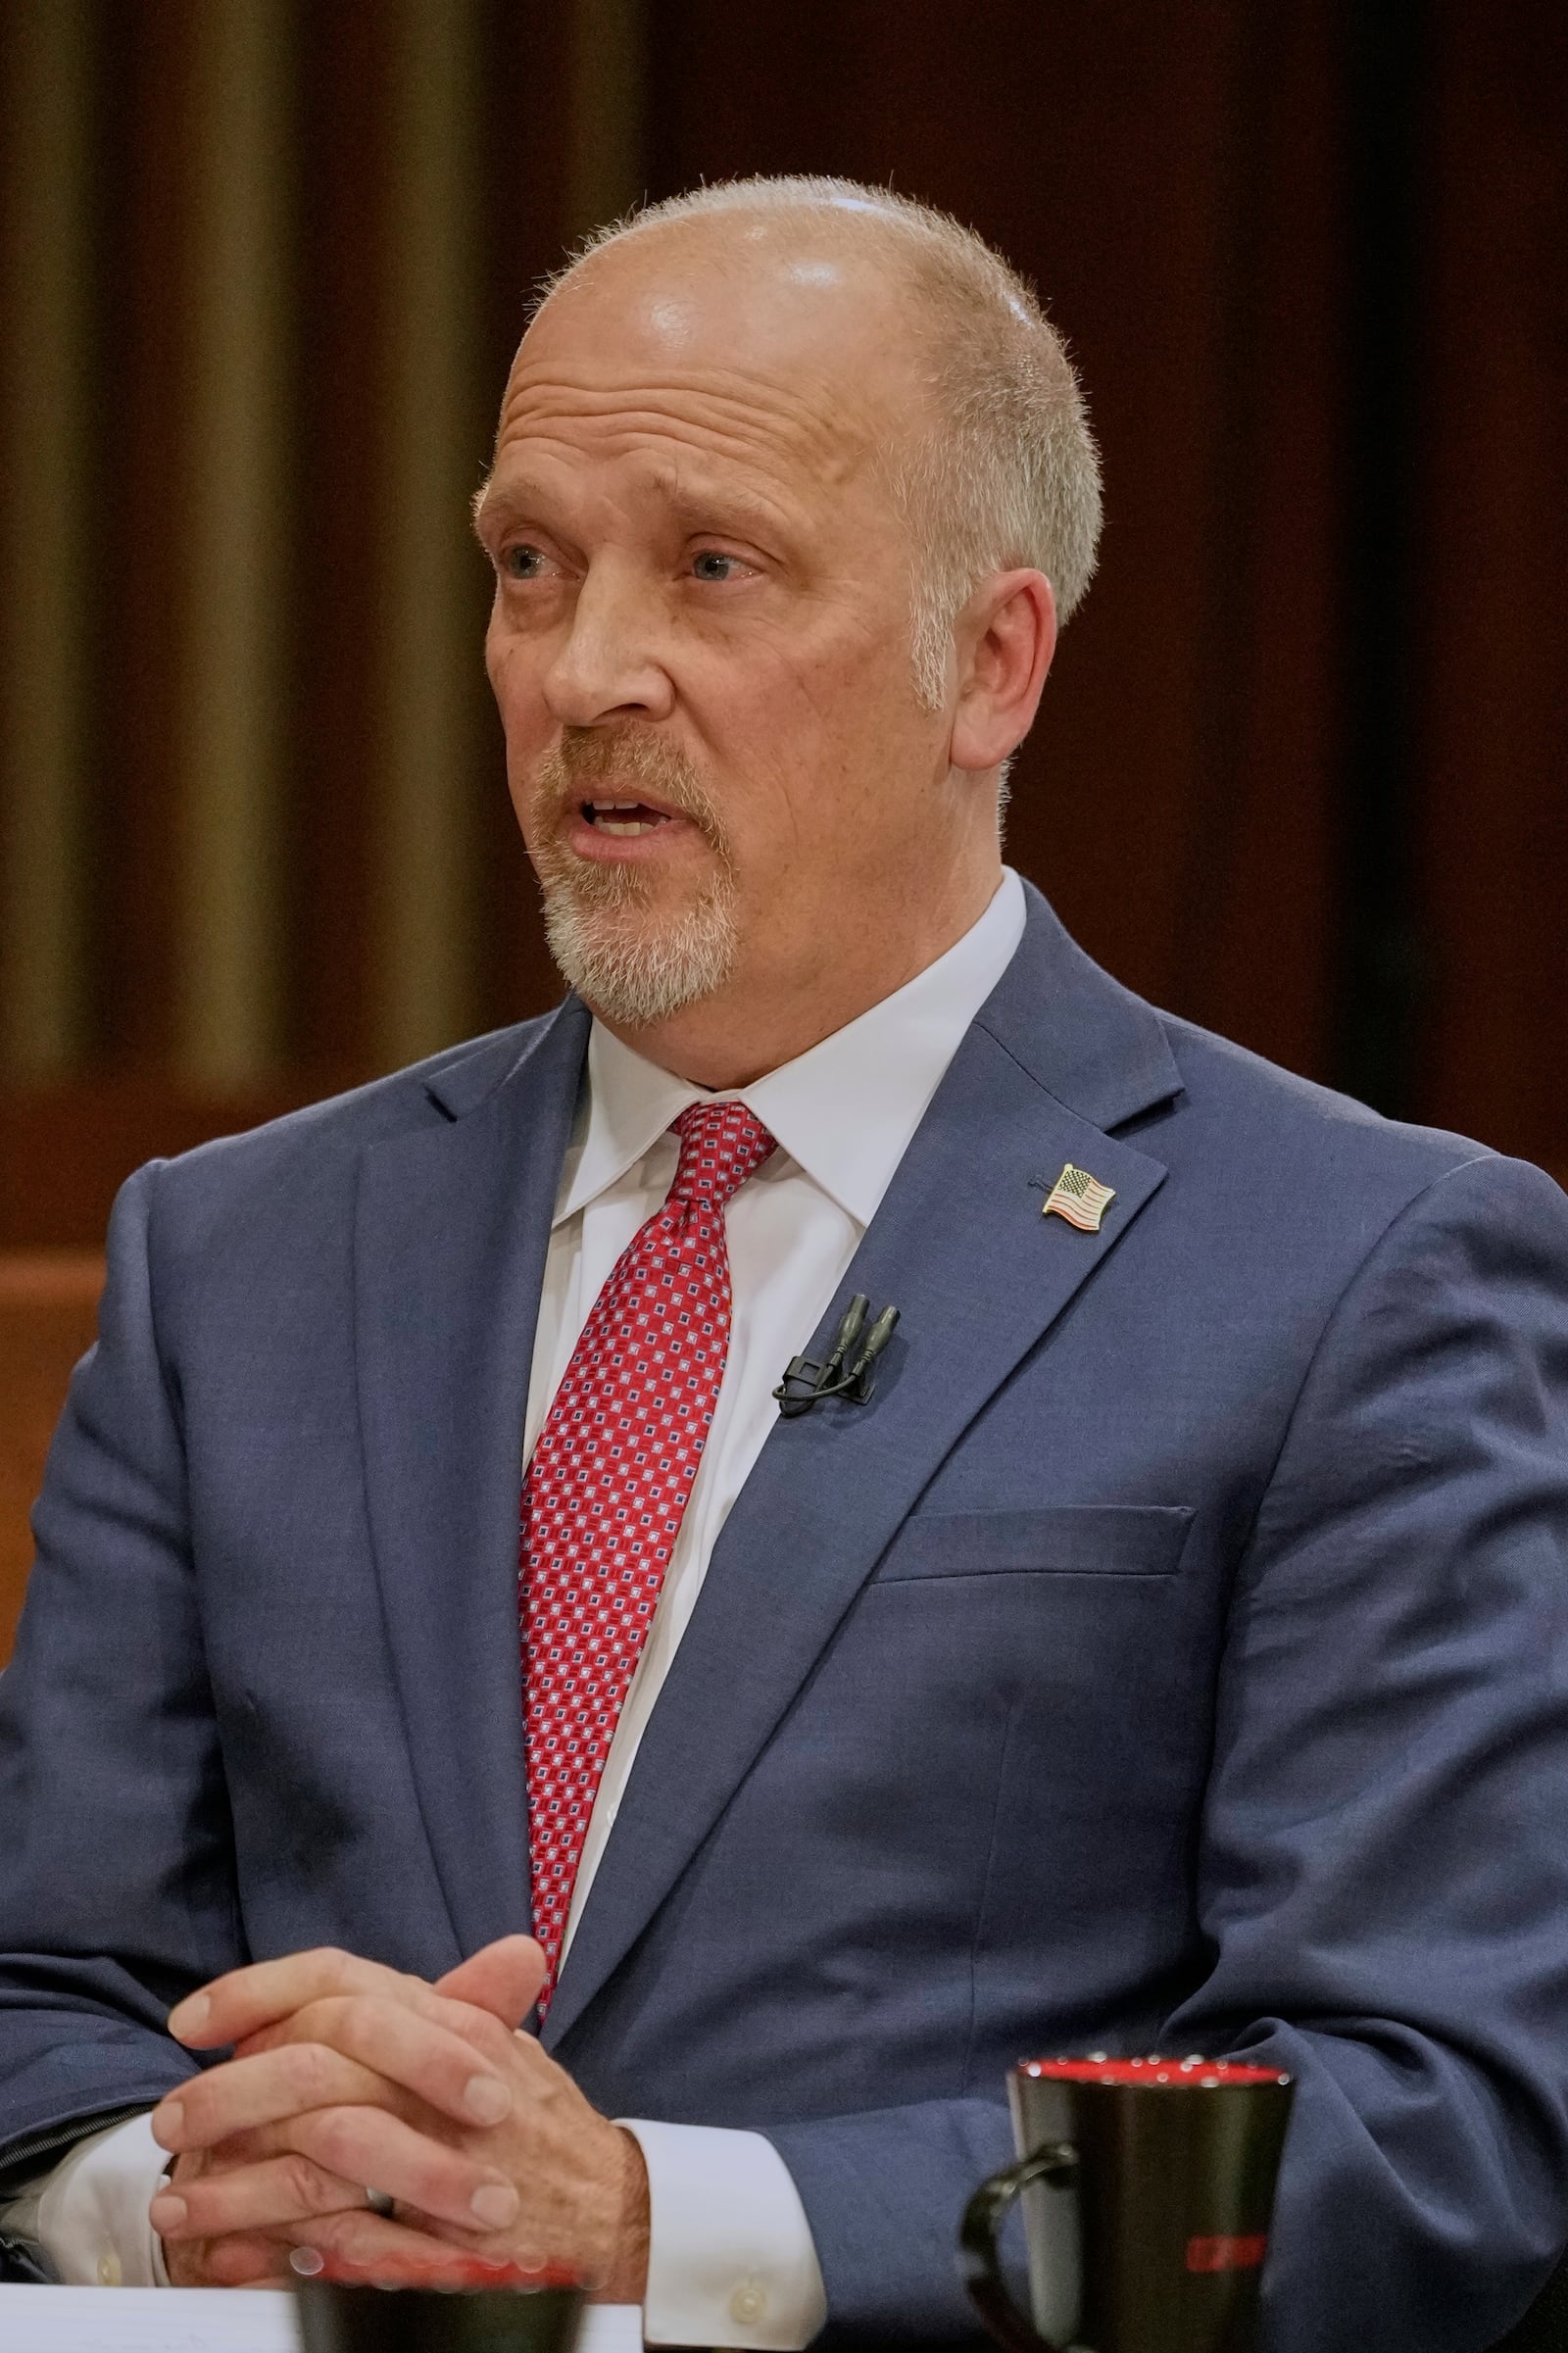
(1078, 1198)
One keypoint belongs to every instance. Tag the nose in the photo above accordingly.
(606, 665)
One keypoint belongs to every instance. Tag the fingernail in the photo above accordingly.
(189, 2016)
(486, 2099)
(168, 2213)
(495, 2205)
(169, 2122)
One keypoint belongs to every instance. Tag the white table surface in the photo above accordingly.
(207, 2320)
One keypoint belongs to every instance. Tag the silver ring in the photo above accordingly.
(378, 2202)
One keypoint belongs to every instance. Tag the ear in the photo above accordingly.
(1006, 637)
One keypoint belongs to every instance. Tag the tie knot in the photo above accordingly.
(722, 1145)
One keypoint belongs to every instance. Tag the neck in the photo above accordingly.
(762, 1020)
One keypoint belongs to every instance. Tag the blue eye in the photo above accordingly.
(711, 558)
(521, 562)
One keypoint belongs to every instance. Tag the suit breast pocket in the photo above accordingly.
(1069, 1540)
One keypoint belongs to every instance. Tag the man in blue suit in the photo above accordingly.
(1169, 1653)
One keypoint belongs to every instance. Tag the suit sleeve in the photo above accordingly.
(1382, 1872)
(114, 1815)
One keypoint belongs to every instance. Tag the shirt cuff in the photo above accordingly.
(730, 2257)
(88, 2216)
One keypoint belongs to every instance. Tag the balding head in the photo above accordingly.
(1003, 470)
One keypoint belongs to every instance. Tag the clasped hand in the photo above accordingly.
(348, 2077)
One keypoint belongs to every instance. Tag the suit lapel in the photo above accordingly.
(453, 1228)
(979, 1275)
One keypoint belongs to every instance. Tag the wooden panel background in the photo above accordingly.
(48, 1308)
(1297, 775)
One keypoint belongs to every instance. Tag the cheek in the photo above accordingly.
(815, 707)
(497, 648)
(853, 724)
(514, 681)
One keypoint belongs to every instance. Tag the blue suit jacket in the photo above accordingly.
(1172, 1655)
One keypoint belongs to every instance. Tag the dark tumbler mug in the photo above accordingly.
(454, 2308)
(1147, 2187)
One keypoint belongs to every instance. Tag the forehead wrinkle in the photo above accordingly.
(693, 498)
(757, 456)
(697, 503)
(690, 408)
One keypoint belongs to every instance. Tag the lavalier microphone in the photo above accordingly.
(849, 1371)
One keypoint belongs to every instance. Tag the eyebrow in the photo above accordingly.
(696, 508)
(699, 507)
(487, 498)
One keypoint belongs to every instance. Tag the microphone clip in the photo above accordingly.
(850, 1370)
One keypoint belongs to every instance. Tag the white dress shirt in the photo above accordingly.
(731, 2261)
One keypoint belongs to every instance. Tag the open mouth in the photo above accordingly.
(623, 819)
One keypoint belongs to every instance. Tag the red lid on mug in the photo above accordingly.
(1173, 2073)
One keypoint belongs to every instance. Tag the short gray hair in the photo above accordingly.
(1009, 472)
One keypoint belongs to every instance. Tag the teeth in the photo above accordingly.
(615, 817)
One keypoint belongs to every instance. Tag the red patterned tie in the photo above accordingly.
(608, 1484)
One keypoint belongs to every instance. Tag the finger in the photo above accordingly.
(366, 2144)
(451, 2184)
(244, 2001)
(350, 2051)
(254, 2199)
(227, 2262)
(475, 2027)
(503, 1978)
(247, 2262)
(245, 2093)
(373, 2247)
(429, 2052)
(485, 2034)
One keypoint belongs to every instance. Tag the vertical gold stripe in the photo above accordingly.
(435, 442)
(606, 161)
(43, 978)
(230, 945)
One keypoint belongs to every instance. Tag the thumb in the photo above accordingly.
(503, 1978)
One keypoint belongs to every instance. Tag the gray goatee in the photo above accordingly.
(634, 961)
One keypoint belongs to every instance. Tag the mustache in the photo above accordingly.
(631, 760)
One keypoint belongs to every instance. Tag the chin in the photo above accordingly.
(637, 965)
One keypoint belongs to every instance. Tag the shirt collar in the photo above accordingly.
(844, 1111)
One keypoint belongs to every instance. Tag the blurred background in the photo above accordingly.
(1297, 774)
